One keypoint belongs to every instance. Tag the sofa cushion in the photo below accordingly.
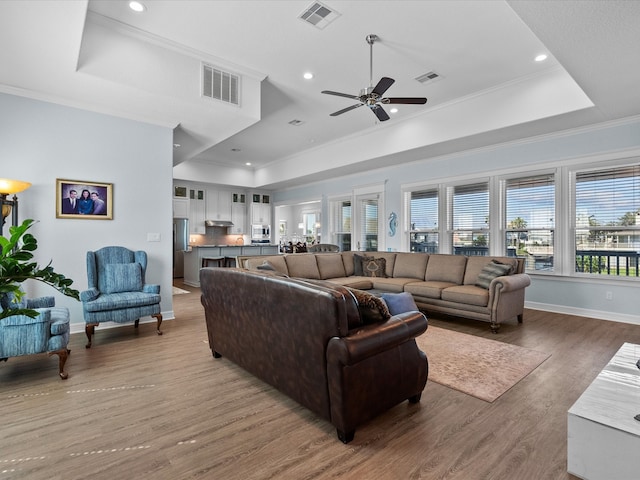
(475, 265)
(122, 277)
(374, 267)
(372, 308)
(361, 283)
(427, 289)
(446, 268)
(410, 265)
(277, 261)
(302, 265)
(399, 302)
(330, 266)
(391, 285)
(490, 271)
(466, 294)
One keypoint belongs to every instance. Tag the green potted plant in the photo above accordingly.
(17, 265)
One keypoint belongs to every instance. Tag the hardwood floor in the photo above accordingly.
(148, 407)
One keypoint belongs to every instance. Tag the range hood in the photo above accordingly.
(218, 223)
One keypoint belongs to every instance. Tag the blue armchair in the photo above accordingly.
(47, 332)
(117, 289)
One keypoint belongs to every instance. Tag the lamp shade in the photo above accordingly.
(8, 186)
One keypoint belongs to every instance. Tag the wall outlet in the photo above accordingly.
(608, 295)
(153, 237)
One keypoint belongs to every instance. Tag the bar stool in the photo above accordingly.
(229, 261)
(220, 261)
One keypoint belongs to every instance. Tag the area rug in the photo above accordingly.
(179, 291)
(474, 365)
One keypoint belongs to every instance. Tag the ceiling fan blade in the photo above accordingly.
(338, 94)
(344, 110)
(383, 85)
(380, 113)
(406, 100)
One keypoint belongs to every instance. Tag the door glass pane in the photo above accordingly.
(368, 226)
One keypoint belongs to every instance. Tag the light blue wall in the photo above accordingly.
(566, 294)
(40, 142)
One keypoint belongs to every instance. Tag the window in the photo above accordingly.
(529, 220)
(367, 224)
(341, 224)
(469, 219)
(423, 214)
(607, 221)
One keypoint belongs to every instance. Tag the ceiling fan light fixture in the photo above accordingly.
(137, 7)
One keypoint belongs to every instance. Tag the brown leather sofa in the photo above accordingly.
(309, 341)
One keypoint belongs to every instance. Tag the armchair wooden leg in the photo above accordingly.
(159, 318)
(62, 359)
(136, 323)
(89, 330)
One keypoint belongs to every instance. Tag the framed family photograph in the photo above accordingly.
(84, 200)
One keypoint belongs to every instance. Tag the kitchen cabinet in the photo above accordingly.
(218, 205)
(239, 218)
(260, 208)
(197, 212)
(180, 208)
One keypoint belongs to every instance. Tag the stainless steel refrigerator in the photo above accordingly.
(180, 245)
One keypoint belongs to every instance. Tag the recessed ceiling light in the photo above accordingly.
(308, 75)
(541, 58)
(248, 164)
(176, 145)
(235, 150)
(137, 7)
(394, 110)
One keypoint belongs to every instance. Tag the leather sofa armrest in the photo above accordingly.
(373, 339)
(151, 288)
(89, 295)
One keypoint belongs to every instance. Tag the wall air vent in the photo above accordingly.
(318, 15)
(428, 77)
(220, 85)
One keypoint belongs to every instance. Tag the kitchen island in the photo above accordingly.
(193, 258)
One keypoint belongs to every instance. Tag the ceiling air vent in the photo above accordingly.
(219, 85)
(428, 77)
(296, 123)
(319, 15)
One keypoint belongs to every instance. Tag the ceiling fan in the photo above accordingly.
(372, 96)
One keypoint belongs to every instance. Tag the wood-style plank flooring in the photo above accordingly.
(142, 406)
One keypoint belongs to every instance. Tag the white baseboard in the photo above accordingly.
(583, 312)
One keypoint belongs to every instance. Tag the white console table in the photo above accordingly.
(603, 438)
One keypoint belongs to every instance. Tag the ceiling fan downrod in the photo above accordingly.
(371, 38)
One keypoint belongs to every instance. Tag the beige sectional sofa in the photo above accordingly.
(451, 284)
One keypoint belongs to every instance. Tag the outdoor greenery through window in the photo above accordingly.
(607, 221)
(469, 227)
(424, 221)
(530, 213)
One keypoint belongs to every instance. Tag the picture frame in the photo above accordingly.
(70, 202)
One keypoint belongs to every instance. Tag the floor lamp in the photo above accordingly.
(10, 206)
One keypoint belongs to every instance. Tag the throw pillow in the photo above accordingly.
(400, 302)
(122, 277)
(266, 265)
(357, 264)
(490, 271)
(372, 309)
(374, 267)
